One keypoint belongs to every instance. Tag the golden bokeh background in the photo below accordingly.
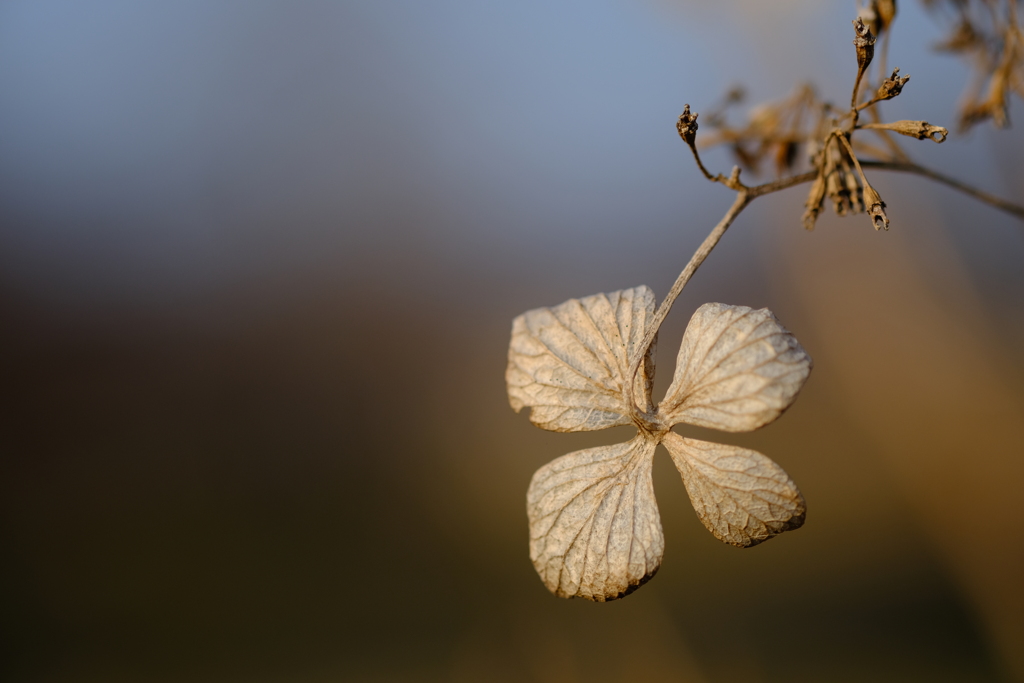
(259, 266)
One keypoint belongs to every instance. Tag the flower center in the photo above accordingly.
(650, 424)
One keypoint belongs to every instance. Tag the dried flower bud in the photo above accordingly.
(916, 129)
(837, 193)
(854, 191)
(834, 187)
(864, 41)
(892, 86)
(814, 202)
(843, 185)
(687, 126)
(876, 208)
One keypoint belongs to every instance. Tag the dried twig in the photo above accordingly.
(982, 196)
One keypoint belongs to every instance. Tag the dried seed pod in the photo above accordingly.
(892, 86)
(814, 202)
(876, 208)
(687, 126)
(919, 130)
(837, 193)
(854, 191)
(915, 129)
(864, 41)
(834, 186)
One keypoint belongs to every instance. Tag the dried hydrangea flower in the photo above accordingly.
(595, 531)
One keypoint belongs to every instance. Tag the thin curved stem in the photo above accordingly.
(781, 184)
(849, 150)
(894, 147)
(700, 164)
(907, 167)
(743, 197)
(856, 89)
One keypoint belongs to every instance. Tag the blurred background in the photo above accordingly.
(258, 269)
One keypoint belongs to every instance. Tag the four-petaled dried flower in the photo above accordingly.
(595, 531)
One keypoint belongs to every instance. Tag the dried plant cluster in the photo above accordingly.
(588, 364)
(594, 525)
(988, 35)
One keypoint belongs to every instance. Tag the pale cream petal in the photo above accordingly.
(742, 497)
(594, 526)
(738, 369)
(567, 362)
